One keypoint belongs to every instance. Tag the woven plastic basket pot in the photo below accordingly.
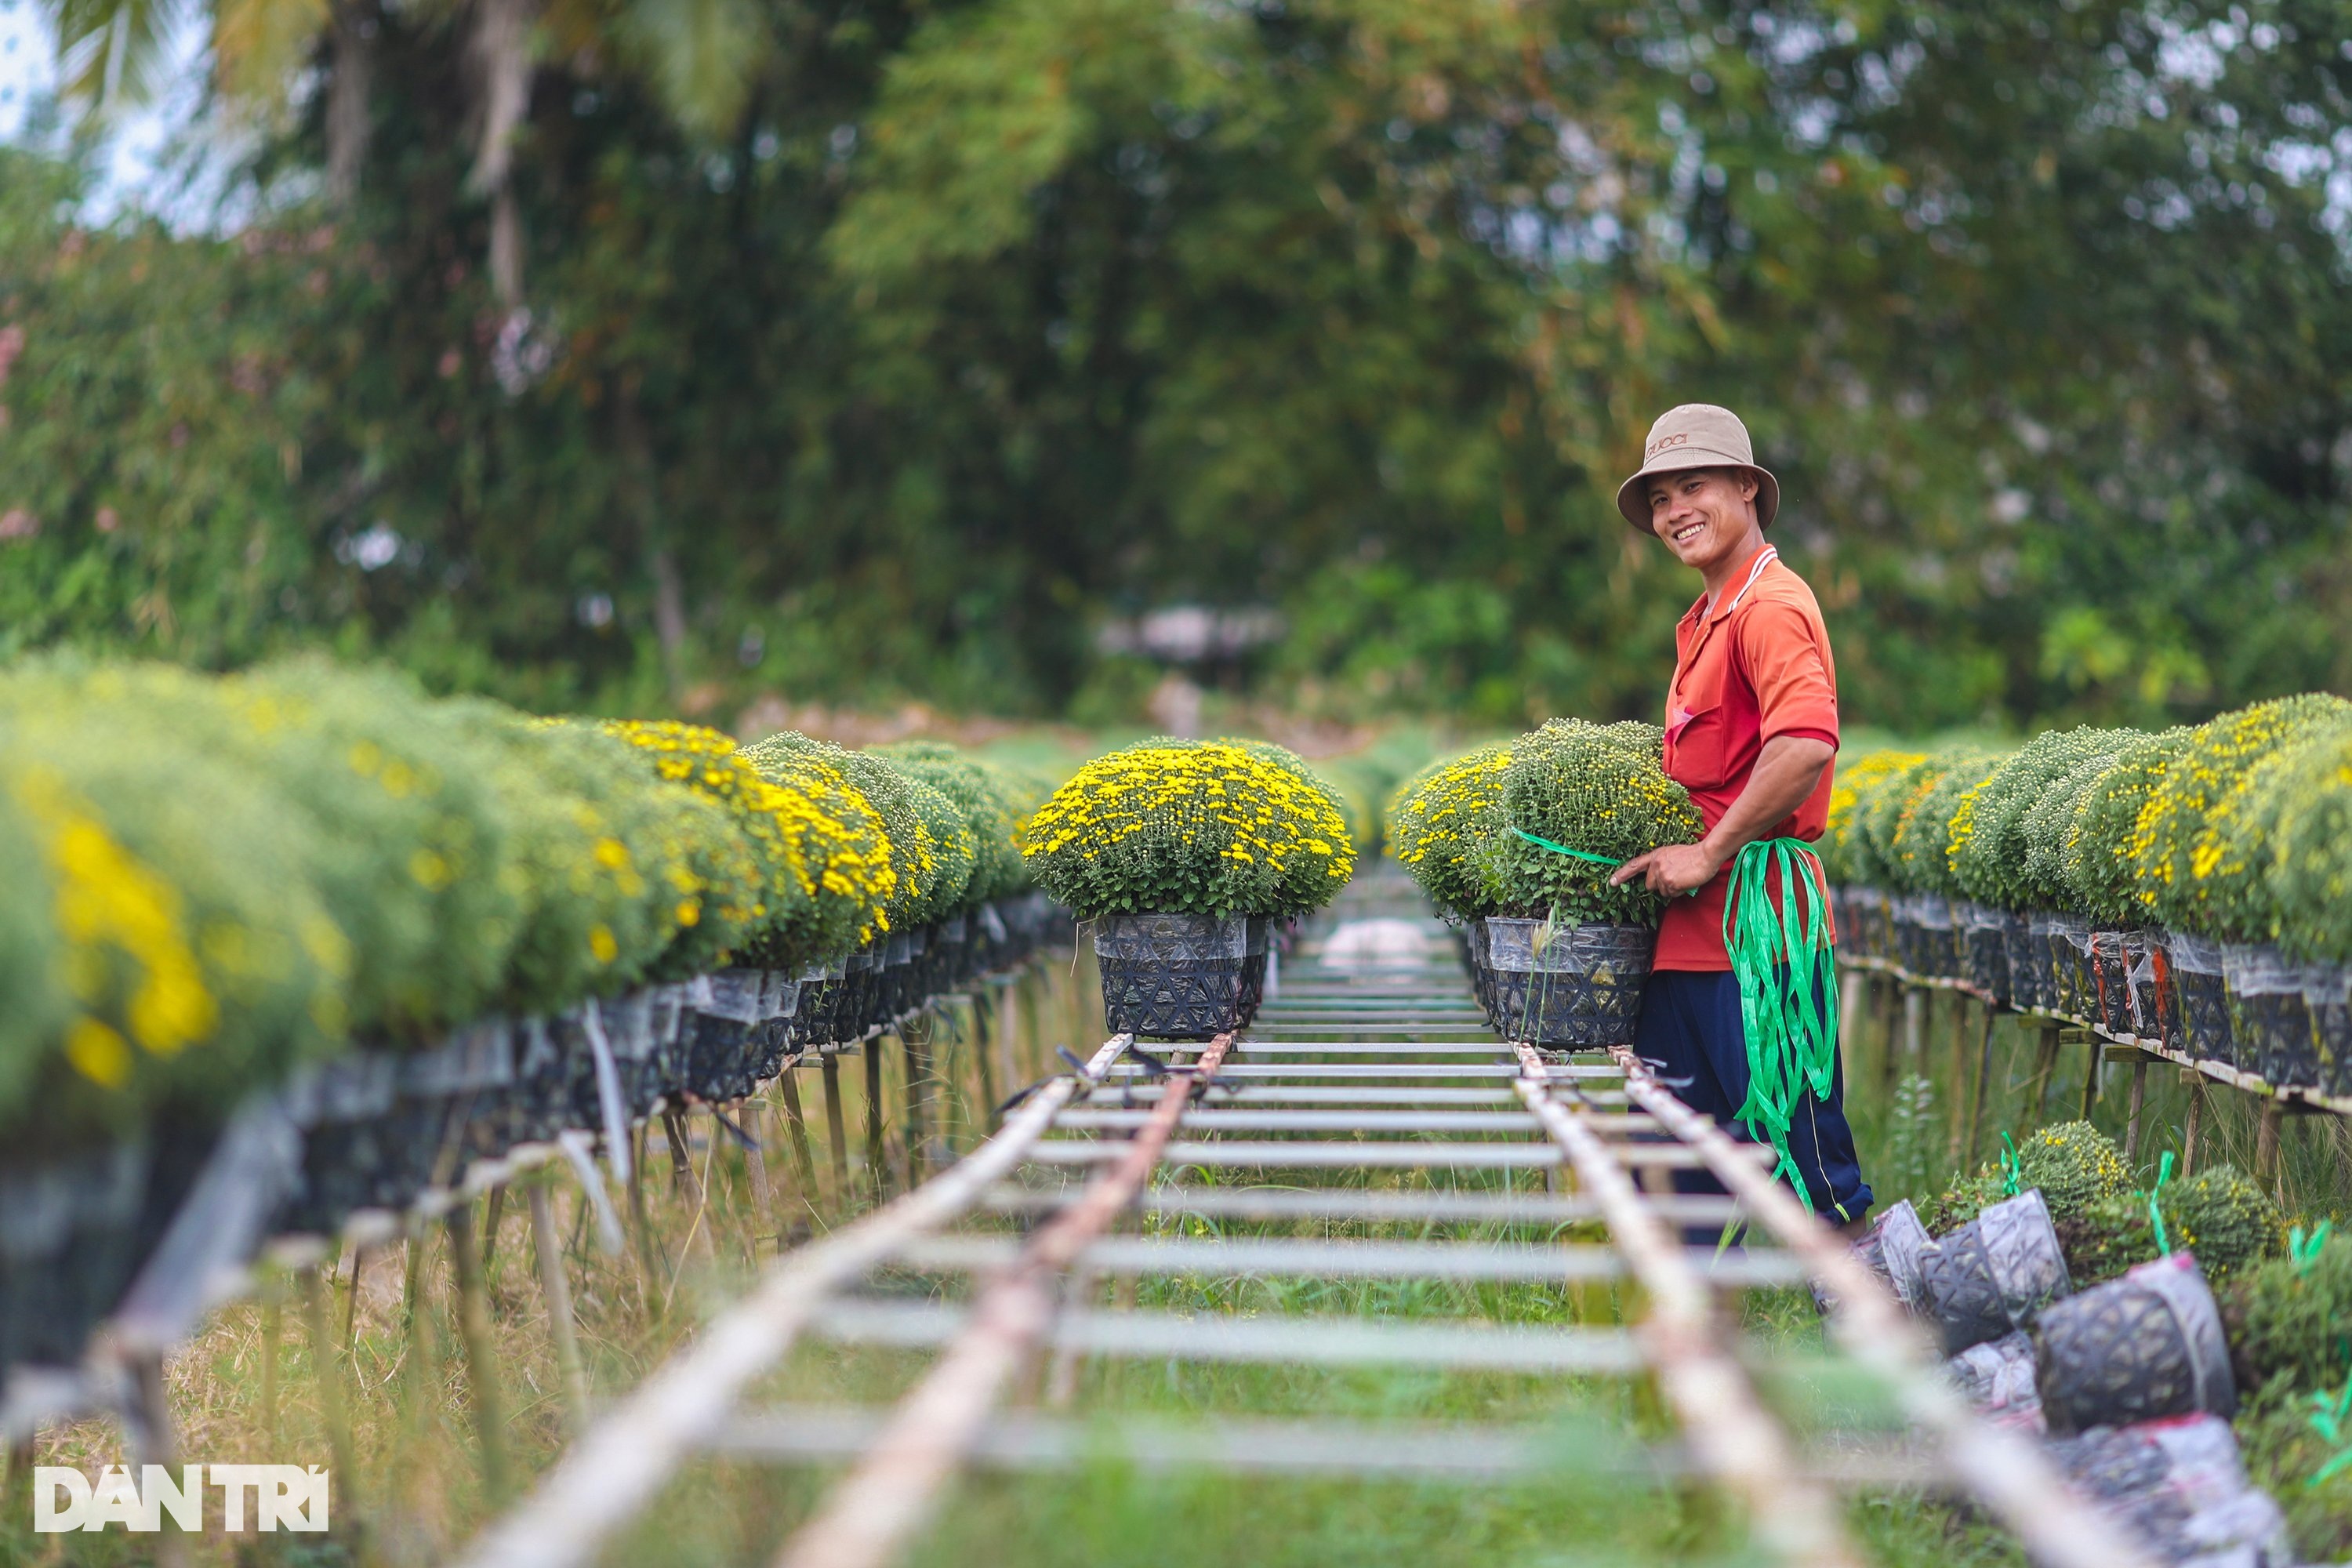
(70, 1243)
(2269, 1019)
(2027, 940)
(2328, 991)
(1992, 1275)
(1984, 950)
(2145, 1346)
(1572, 987)
(2202, 995)
(1173, 976)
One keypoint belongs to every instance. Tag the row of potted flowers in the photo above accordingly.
(2191, 888)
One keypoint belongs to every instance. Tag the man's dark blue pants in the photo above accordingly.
(1691, 1033)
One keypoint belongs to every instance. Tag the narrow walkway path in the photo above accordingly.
(1369, 1127)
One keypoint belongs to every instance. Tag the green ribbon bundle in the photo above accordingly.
(1781, 955)
(2156, 1215)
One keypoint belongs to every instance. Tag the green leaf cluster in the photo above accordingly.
(2300, 808)
(2100, 878)
(1918, 852)
(2291, 1318)
(1845, 853)
(2220, 1214)
(1600, 788)
(1989, 835)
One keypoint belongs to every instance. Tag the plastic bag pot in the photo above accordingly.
(70, 1243)
(1173, 976)
(1891, 1250)
(2269, 1019)
(2179, 1489)
(1983, 934)
(1991, 1275)
(2155, 1011)
(2148, 1345)
(2201, 995)
(1997, 1378)
(2027, 941)
(2076, 994)
(1572, 987)
(2110, 974)
(721, 1054)
(344, 1109)
(1910, 941)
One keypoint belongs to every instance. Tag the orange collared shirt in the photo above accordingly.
(1756, 666)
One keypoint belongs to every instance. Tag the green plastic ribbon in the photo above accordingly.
(1782, 956)
(2156, 1215)
(1564, 850)
(2012, 1169)
(2305, 1249)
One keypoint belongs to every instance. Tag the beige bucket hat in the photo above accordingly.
(1698, 436)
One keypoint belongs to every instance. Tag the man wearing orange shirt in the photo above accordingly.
(1752, 732)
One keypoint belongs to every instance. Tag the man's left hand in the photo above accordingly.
(1672, 871)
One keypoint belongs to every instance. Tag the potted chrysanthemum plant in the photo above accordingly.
(1564, 952)
(1171, 849)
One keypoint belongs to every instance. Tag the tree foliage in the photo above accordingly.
(900, 353)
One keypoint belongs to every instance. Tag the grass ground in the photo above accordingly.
(249, 1388)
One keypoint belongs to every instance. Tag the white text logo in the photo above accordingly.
(275, 1497)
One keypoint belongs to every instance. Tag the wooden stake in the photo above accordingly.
(2138, 1100)
(2091, 1077)
(982, 1059)
(839, 1139)
(2196, 1123)
(328, 1372)
(155, 1441)
(1914, 1026)
(1959, 1071)
(556, 1286)
(481, 1357)
(796, 1125)
(755, 1165)
(877, 1171)
(2045, 1064)
(1978, 1090)
(2266, 1143)
(918, 1089)
(490, 1228)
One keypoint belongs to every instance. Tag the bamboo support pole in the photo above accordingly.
(2005, 1469)
(891, 1492)
(613, 1472)
(481, 1355)
(557, 1288)
(1721, 1419)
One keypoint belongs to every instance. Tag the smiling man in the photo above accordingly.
(1752, 732)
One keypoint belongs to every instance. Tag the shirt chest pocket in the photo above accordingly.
(1698, 734)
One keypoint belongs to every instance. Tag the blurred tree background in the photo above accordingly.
(657, 352)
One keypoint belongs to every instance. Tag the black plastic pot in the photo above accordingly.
(1173, 976)
(2145, 1346)
(2269, 1019)
(2076, 990)
(2200, 994)
(1571, 987)
(2026, 941)
(721, 1054)
(1984, 950)
(69, 1243)
(1939, 938)
(1992, 1275)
